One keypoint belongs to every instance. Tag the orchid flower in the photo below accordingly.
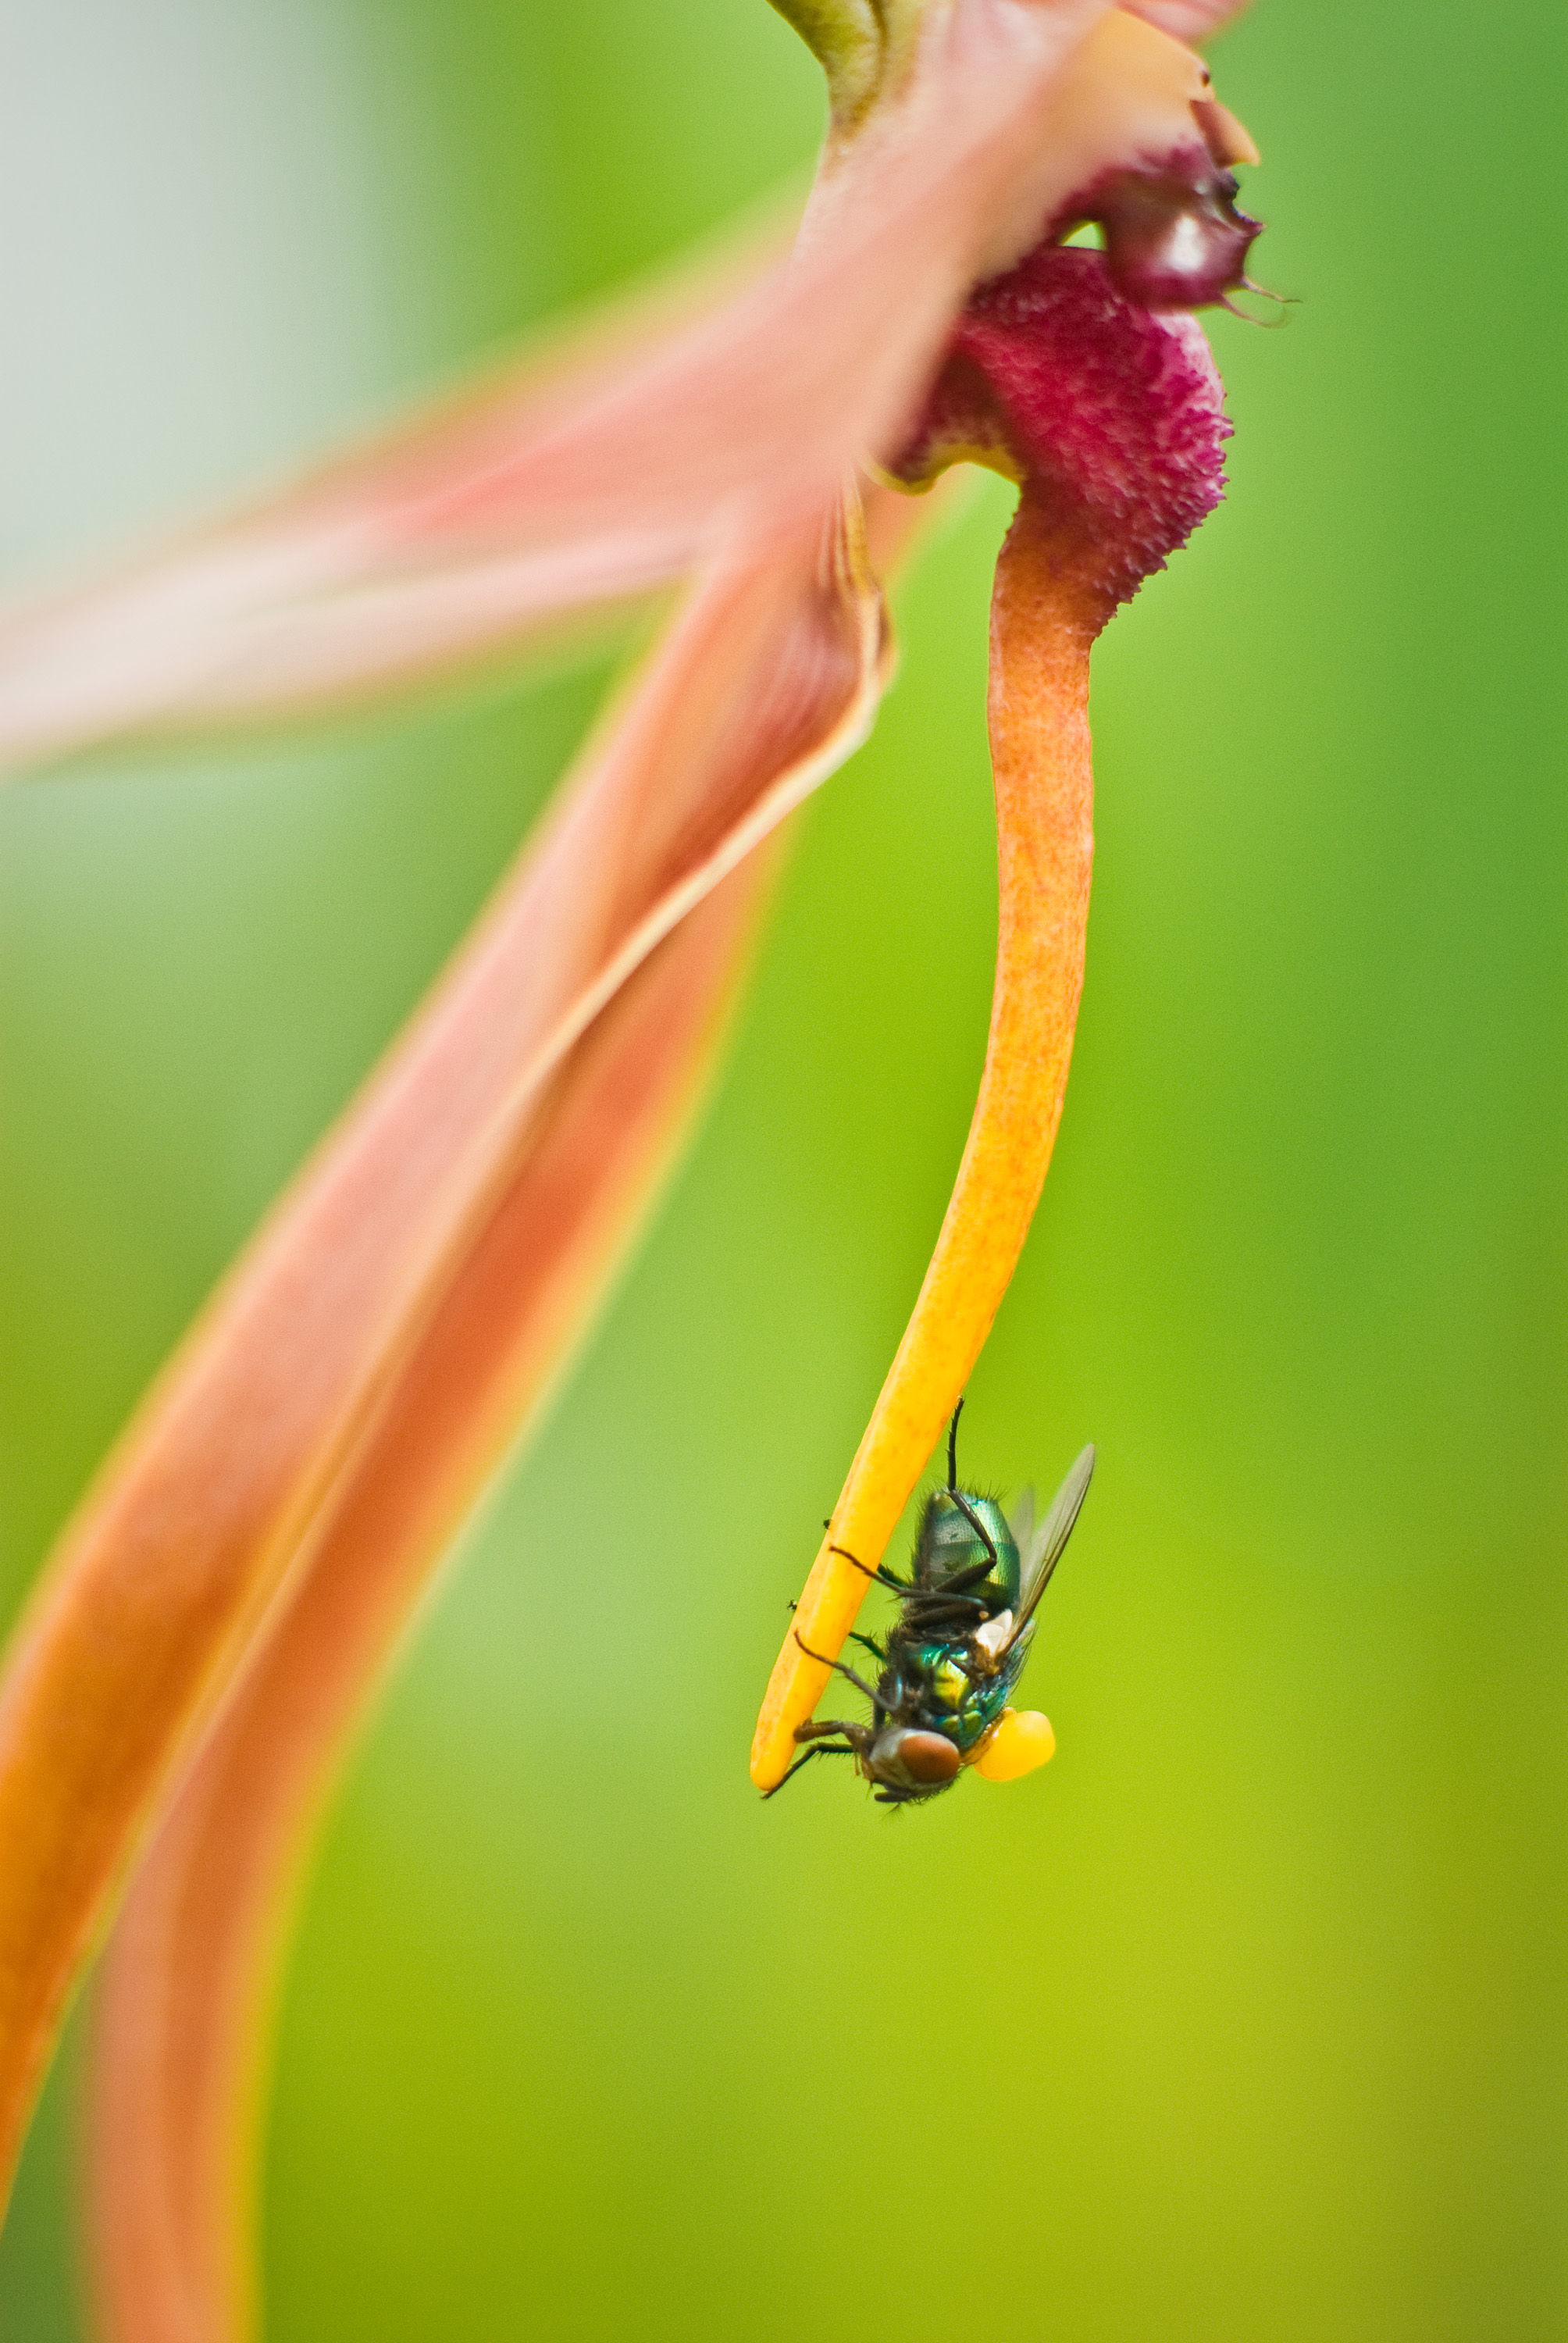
(229, 1592)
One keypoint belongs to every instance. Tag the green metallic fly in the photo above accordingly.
(957, 1647)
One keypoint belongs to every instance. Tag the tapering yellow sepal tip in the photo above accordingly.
(1021, 1741)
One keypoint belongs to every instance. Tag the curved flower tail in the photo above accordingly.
(1045, 613)
(1111, 418)
(209, 1515)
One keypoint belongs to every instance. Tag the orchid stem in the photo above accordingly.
(1047, 607)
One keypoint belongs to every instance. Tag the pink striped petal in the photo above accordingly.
(186, 1989)
(553, 492)
(207, 1517)
(1187, 20)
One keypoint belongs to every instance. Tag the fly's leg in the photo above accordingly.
(942, 1604)
(865, 1641)
(942, 1616)
(818, 1728)
(840, 1667)
(818, 1749)
(963, 1579)
(979, 1527)
(969, 1577)
(881, 1577)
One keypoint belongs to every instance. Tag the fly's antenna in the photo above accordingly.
(954, 1450)
(1283, 304)
(880, 1577)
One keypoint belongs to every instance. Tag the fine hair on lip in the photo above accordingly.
(1112, 412)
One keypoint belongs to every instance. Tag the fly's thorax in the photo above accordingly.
(944, 1680)
(923, 1683)
(950, 1543)
(943, 1689)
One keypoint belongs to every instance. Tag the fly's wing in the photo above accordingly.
(1021, 1522)
(1048, 1543)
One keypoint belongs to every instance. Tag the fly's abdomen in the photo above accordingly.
(961, 1534)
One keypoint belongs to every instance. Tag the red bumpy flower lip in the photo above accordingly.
(1111, 414)
(1083, 376)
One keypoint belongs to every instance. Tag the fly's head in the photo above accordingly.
(1174, 237)
(907, 1765)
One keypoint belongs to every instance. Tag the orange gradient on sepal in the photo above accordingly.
(1047, 609)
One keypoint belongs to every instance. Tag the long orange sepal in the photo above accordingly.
(180, 2036)
(202, 1520)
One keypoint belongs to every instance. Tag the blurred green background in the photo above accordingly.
(1246, 2018)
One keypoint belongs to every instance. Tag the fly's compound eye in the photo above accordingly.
(1172, 244)
(924, 1761)
(1016, 1745)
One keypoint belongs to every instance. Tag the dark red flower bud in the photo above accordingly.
(1171, 242)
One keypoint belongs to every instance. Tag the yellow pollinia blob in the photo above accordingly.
(1019, 1742)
